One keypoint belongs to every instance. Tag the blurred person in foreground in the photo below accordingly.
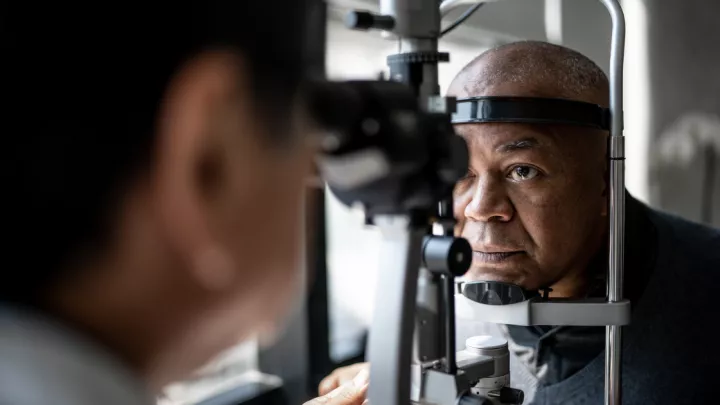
(534, 208)
(152, 173)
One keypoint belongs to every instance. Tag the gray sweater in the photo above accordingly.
(667, 357)
(44, 362)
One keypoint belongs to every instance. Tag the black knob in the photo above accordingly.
(447, 255)
(511, 396)
(364, 20)
(470, 399)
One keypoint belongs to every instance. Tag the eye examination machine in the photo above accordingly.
(389, 147)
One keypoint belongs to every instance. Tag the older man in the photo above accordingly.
(534, 208)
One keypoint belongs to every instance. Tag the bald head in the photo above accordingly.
(532, 68)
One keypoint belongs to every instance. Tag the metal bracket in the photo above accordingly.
(546, 312)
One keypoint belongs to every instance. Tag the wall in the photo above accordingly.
(684, 60)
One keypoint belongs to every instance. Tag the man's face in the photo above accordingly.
(532, 203)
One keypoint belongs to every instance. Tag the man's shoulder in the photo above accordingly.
(686, 225)
(677, 236)
(44, 362)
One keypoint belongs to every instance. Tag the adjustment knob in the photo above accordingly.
(447, 255)
(470, 399)
(511, 396)
(364, 20)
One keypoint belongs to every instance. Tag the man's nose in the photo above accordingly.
(489, 201)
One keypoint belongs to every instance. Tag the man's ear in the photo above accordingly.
(189, 162)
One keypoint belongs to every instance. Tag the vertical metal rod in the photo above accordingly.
(613, 366)
(391, 332)
(448, 294)
(613, 344)
(447, 286)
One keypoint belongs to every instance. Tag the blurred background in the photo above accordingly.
(672, 129)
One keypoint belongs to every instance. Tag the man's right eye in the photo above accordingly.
(468, 175)
(520, 173)
(464, 183)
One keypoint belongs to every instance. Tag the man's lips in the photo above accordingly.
(494, 256)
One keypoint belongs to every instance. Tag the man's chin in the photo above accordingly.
(493, 274)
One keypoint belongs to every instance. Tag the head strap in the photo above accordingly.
(531, 110)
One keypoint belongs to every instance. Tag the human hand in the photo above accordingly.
(350, 392)
(341, 376)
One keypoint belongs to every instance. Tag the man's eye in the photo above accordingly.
(520, 173)
(468, 175)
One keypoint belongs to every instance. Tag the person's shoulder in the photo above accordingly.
(44, 361)
(700, 243)
(683, 227)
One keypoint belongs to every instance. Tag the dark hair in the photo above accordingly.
(80, 89)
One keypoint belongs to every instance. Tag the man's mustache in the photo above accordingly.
(487, 236)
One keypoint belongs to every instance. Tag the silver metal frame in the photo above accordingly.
(535, 311)
(613, 339)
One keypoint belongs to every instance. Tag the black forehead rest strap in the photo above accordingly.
(531, 110)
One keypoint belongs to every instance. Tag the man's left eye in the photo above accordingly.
(520, 173)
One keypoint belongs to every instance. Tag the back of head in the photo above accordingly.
(81, 87)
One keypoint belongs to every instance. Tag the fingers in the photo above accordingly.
(328, 384)
(339, 377)
(343, 395)
(353, 392)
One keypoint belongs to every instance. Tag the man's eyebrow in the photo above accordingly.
(520, 144)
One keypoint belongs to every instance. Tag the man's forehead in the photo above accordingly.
(522, 71)
(479, 86)
(505, 137)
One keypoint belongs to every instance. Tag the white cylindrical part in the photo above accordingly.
(449, 5)
(413, 18)
(485, 345)
(554, 21)
(497, 349)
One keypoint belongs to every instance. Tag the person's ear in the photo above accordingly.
(199, 111)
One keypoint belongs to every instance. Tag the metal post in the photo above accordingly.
(391, 333)
(613, 344)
